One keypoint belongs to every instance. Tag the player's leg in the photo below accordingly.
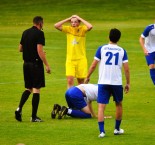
(81, 70)
(70, 81)
(150, 61)
(83, 110)
(117, 92)
(35, 103)
(101, 108)
(77, 105)
(24, 97)
(27, 92)
(68, 96)
(70, 73)
(152, 73)
(38, 82)
(119, 112)
(103, 99)
(80, 81)
(78, 114)
(28, 84)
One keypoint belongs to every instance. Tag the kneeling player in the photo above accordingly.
(79, 100)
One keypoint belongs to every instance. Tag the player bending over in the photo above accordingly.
(79, 99)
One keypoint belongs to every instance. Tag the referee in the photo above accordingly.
(31, 45)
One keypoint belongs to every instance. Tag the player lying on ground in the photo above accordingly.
(79, 99)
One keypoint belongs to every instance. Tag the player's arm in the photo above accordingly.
(20, 48)
(142, 41)
(127, 76)
(91, 70)
(59, 24)
(91, 109)
(89, 25)
(43, 57)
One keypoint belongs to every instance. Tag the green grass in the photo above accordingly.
(130, 17)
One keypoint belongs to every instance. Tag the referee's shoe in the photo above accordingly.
(18, 115)
(36, 119)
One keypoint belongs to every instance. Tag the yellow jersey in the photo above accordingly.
(75, 41)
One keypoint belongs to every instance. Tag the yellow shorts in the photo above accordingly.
(76, 68)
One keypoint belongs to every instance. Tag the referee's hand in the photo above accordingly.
(48, 70)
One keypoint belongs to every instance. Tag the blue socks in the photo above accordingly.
(101, 126)
(79, 114)
(117, 124)
(152, 74)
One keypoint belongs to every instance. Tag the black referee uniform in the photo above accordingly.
(33, 66)
(31, 44)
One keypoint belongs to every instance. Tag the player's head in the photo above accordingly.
(38, 20)
(75, 22)
(114, 35)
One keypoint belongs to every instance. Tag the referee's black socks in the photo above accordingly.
(35, 103)
(24, 98)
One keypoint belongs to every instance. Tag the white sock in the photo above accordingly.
(69, 111)
(18, 109)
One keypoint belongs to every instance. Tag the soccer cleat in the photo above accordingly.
(62, 112)
(101, 135)
(118, 132)
(56, 109)
(36, 119)
(18, 116)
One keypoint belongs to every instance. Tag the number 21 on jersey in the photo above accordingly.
(110, 55)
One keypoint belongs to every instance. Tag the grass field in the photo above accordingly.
(130, 17)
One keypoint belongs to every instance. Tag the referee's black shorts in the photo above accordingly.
(34, 75)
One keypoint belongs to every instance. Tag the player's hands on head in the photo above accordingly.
(76, 16)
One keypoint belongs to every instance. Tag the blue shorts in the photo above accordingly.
(150, 59)
(75, 98)
(105, 91)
